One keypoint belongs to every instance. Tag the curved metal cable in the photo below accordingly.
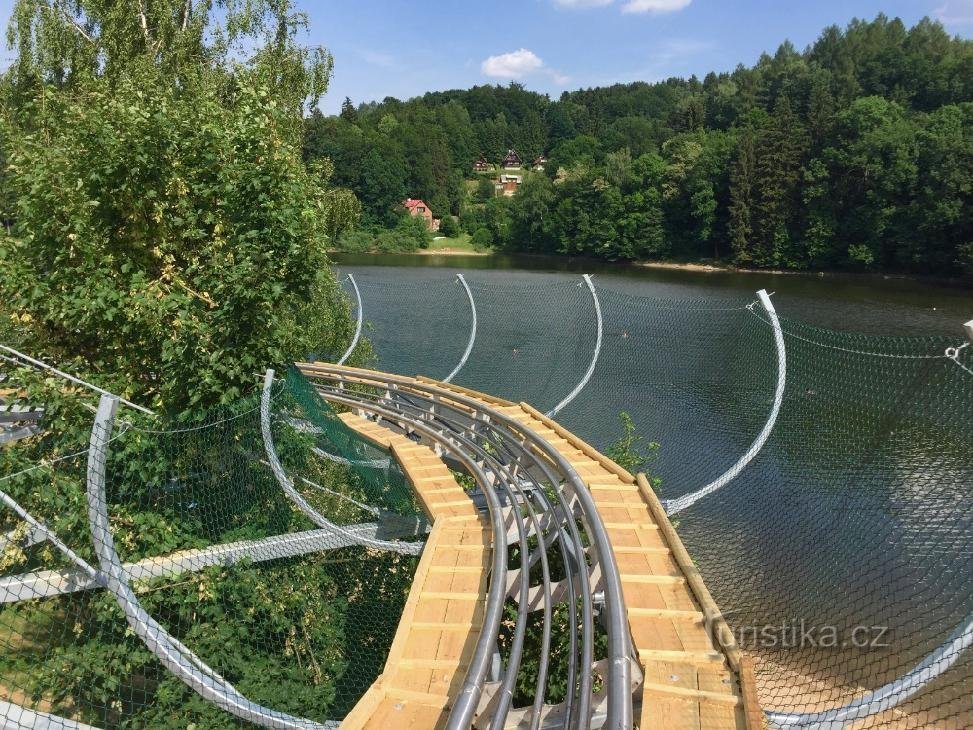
(889, 695)
(170, 651)
(469, 345)
(674, 506)
(594, 357)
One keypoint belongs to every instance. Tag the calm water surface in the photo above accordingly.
(863, 303)
(856, 511)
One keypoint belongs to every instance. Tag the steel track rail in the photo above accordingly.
(509, 482)
(566, 536)
(619, 673)
(577, 717)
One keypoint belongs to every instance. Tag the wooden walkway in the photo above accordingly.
(441, 620)
(694, 674)
(695, 677)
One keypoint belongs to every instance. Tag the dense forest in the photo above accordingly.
(856, 154)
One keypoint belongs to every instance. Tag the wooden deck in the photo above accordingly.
(441, 620)
(691, 664)
(695, 677)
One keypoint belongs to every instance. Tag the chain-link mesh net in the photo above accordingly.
(840, 554)
(418, 327)
(852, 521)
(228, 576)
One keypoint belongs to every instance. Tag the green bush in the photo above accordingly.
(482, 239)
(471, 219)
(449, 227)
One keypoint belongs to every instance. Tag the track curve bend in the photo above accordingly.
(538, 492)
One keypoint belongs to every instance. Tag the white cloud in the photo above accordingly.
(956, 12)
(513, 65)
(583, 3)
(377, 58)
(654, 6)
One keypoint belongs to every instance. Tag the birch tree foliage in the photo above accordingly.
(166, 230)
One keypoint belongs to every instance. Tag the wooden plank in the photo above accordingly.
(722, 635)
(437, 632)
(753, 713)
(689, 657)
(605, 462)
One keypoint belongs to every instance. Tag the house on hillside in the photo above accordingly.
(512, 161)
(419, 208)
(538, 164)
(508, 184)
(481, 165)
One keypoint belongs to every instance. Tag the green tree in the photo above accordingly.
(348, 111)
(449, 227)
(167, 230)
(742, 199)
(530, 215)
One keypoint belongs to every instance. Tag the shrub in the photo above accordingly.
(482, 239)
(449, 227)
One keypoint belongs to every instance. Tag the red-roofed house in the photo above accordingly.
(419, 208)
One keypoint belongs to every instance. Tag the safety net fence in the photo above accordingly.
(820, 479)
(247, 568)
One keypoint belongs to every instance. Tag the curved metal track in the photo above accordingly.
(511, 452)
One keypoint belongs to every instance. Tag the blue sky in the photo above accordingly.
(395, 48)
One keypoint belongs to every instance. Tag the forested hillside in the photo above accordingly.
(856, 153)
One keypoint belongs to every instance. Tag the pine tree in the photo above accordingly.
(348, 111)
(742, 199)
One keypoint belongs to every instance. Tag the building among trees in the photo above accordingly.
(512, 161)
(538, 164)
(482, 165)
(509, 184)
(418, 208)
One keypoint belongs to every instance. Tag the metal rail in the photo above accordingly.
(71, 378)
(472, 341)
(358, 324)
(504, 475)
(619, 674)
(466, 702)
(594, 358)
(48, 583)
(499, 442)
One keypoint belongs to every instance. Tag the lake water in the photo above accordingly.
(855, 511)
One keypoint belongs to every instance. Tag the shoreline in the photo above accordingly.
(961, 282)
(957, 281)
(450, 252)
